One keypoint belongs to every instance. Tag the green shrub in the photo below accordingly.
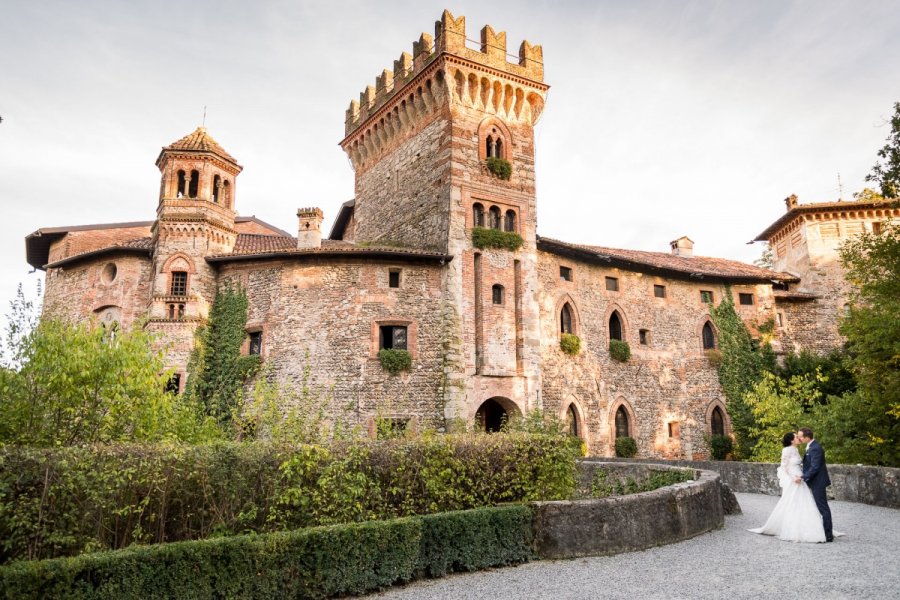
(66, 501)
(499, 167)
(714, 357)
(626, 447)
(484, 237)
(394, 360)
(309, 563)
(604, 485)
(720, 446)
(619, 350)
(570, 343)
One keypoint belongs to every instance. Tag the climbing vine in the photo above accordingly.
(218, 370)
(742, 366)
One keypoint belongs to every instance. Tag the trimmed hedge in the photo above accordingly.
(310, 563)
(67, 501)
(626, 447)
(570, 343)
(619, 350)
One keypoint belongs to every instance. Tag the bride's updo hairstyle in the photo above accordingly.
(787, 439)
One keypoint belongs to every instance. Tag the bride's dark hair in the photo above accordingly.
(787, 439)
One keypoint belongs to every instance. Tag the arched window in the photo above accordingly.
(497, 293)
(565, 319)
(510, 222)
(181, 185)
(478, 214)
(495, 217)
(194, 185)
(572, 421)
(622, 425)
(490, 147)
(709, 336)
(226, 193)
(717, 422)
(498, 148)
(217, 184)
(615, 326)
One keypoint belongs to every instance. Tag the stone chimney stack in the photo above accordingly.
(309, 231)
(683, 246)
(790, 201)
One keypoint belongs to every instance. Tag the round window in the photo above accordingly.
(109, 272)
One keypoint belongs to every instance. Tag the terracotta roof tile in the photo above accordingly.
(200, 141)
(788, 295)
(693, 266)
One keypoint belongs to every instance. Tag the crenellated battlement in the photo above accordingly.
(449, 38)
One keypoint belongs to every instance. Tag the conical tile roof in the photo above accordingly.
(200, 141)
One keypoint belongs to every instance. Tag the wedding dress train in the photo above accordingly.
(795, 517)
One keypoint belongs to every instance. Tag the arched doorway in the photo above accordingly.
(493, 413)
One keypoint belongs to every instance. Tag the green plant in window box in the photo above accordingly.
(619, 350)
(393, 360)
(626, 447)
(570, 343)
(482, 238)
(713, 356)
(499, 167)
(720, 446)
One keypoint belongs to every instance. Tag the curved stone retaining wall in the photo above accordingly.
(567, 529)
(879, 486)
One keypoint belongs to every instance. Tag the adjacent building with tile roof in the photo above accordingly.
(437, 255)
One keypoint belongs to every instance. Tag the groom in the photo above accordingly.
(815, 474)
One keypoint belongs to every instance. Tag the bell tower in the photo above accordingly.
(194, 219)
(443, 151)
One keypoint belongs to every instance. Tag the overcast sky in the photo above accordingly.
(663, 118)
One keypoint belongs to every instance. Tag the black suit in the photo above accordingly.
(815, 474)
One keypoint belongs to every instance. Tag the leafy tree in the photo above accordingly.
(777, 406)
(870, 432)
(886, 172)
(830, 373)
(64, 384)
(217, 368)
(766, 260)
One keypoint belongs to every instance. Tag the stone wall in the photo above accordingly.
(568, 529)
(80, 241)
(84, 289)
(879, 486)
(324, 315)
(668, 380)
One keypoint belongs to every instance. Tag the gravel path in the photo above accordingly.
(730, 563)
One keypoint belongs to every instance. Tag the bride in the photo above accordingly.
(795, 517)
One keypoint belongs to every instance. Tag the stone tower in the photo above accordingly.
(194, 219)
(419, 141)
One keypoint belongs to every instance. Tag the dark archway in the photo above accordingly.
(709, 337)
(615, 326)
(491, 415)
(572, 421)
(622, 425)
(717, 422)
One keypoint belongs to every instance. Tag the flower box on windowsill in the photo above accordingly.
(393, 361)
(570, 343)
(499, 168)
(482, 238)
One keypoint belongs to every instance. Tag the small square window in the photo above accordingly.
(706, 296)
(746, 299)
(173, 385)
(674, 429)
(877, 228)
(392, 337)
(612, 284)
(565, 273)
(644, 336)
(659, 291)
(256, 342)
(497, 293)
(179, 283)
(394, 278)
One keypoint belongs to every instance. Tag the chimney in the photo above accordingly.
(790, 201)
(683, 246)
(309, 230)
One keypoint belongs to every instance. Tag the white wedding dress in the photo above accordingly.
(795, 517)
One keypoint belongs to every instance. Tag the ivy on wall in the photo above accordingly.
(217, 368)
(742, 365)
(483, 237)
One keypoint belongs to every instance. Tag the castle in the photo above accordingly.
(438, 254)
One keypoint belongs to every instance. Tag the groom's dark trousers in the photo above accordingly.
(815, 474)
